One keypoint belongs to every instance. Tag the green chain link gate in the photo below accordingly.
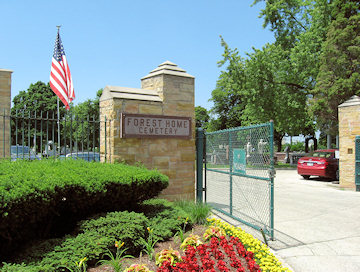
(239, 174)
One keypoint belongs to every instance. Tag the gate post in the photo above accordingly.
(199, 163)
(272, 175)
(357, 163)
(231, 173)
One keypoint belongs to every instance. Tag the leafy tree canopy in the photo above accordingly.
(40, 99)
(202, 117)
(339, 75)
(228, 103)
(37, 98)
(258, 89)
(316, 45)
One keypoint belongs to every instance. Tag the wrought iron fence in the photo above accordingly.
(239, 174)
(35, 135)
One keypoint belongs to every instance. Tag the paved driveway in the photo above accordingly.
(323, 220)
(317, 224)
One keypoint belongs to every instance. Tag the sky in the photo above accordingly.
(117, 43)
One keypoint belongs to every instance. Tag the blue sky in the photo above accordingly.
(118, 42)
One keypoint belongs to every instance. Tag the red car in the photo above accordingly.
(321, 163)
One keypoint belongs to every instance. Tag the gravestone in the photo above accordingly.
(154, 126)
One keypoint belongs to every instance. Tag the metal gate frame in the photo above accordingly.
(201, 140)
(357, 163)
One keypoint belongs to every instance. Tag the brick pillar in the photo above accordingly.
(5, 103)
(166, 91)
(349, 127)
(176, 88)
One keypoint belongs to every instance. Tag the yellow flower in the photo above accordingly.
(118, 245)
(149, 230)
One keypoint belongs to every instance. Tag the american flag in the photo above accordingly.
(60, 76)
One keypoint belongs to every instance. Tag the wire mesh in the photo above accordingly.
(239, 164)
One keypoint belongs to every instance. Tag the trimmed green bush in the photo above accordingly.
(127, 227)
(45, 197)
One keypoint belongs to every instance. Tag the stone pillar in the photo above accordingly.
(166, 91)
(349, 127)
(5, 103)
(177, 157)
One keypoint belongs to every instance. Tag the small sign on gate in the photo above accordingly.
(239, 161)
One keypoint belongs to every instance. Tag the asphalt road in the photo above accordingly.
(317, 224)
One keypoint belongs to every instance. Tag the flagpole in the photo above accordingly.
(58, 121)
(58, 113)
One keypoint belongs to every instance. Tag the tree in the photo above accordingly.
(37, 98)
(202, 117)
(35, 121)
(300, 28)
(82, 126)
(277, 81)
(271, 95)
(287, 19)
(323, 48)
(38, 101)
(339, 76)
(259, 89)
(228, 103)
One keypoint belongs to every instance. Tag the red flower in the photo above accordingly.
(205, 256)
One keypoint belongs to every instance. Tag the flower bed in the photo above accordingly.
(220, 254)
(225, 248)
(261, 252)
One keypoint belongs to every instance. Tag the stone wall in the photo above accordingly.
(167, 91)
(349, 127)
(5, 103)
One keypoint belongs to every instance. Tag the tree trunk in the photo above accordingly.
(278, 139)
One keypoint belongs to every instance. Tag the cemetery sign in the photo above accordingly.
(154, 126)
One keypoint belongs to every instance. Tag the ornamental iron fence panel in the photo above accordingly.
(239, 174)
(37, 135)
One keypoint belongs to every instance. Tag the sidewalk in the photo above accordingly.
(317, 225)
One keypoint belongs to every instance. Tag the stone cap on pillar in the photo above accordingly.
(353, 101)
(168, 68)
(6, 70)
(111, 92)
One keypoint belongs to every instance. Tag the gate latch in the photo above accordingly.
(272, 173)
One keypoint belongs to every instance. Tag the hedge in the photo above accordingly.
(46, 197)
(98, 234)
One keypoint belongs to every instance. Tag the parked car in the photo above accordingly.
(87, 156)
(19, 152)
(322, 163)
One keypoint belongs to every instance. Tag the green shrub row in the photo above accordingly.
(42, 197)
(98, 234)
